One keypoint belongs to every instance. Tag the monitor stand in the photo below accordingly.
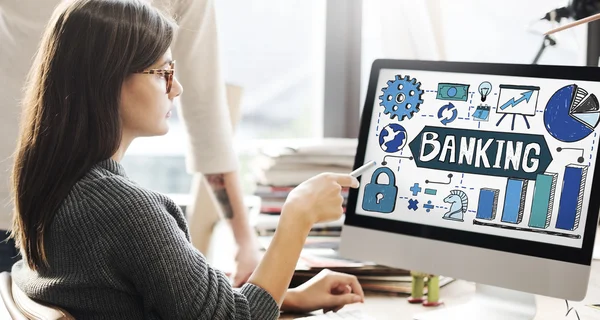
(490, 303)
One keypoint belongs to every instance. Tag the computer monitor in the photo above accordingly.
(485, 173)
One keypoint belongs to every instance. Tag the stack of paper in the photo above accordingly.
(321, 253)
(266, 224)
(285, 165)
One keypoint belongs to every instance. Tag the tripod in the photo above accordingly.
(547, 42)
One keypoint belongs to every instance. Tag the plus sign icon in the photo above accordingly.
(415, 189)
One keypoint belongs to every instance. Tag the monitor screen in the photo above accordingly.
(490, 155)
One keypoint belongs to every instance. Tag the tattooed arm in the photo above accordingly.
(217, 182)
(228, 191)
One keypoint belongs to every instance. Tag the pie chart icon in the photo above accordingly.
(571, 114)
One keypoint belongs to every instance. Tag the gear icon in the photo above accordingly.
(401, 98)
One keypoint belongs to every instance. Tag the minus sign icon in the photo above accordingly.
(432, 192)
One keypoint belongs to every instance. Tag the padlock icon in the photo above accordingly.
(380, 197)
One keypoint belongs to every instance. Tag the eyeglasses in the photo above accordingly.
(167, 73)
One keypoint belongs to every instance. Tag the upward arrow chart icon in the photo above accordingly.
(525, 96)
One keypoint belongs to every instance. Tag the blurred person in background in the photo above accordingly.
(203, 109)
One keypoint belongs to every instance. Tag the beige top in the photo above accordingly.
(203, 104)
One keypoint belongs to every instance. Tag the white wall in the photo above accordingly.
(465, 30)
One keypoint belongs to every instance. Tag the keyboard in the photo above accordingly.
(347, 315)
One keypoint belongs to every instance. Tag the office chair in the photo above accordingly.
(17, 305)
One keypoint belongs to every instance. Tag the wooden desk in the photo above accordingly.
(397, 308)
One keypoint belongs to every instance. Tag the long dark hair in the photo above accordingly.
(70, 117)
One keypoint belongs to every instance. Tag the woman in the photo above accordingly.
(96, 243)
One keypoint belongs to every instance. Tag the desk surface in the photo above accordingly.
(457, 292)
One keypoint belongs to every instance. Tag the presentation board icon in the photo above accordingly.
(518, 99)
(571, 114)
(380, 197)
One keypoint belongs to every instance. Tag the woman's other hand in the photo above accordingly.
(328, 290)
(318, 199)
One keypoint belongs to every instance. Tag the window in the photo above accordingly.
(275, 51)
(507, 31)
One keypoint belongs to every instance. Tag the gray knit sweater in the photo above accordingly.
(119, 251)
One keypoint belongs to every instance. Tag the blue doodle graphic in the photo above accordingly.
(458, 205)
(571, 114)
(571, 197)
(392, 138)
(428, 206)
(449, 107)
(450, 175)
(525, 96)
(453, 91)
(524, 105)
(380, 197)
(485, 88)
(415, 189)
(413, 204)
(482, 113)
(384, 162)
(580, 150)
(432, 192)
(401, 98)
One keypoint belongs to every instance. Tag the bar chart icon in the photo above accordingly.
(568, 213)
(571, 198)
(514, 200)
(487, 204)
(543, 200)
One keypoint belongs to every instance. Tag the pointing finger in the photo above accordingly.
(345, 180)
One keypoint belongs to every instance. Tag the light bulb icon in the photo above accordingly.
(485, 88)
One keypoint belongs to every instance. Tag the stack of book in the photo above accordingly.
(280, 167)
(288, 163)
(322, 253)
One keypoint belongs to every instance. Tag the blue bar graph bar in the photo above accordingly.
(571, 197)
(543, 200)
(514, 200)
(487, 204)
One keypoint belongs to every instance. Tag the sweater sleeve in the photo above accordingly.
(149, 248)
(203, 106)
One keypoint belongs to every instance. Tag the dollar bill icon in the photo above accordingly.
(453, 91)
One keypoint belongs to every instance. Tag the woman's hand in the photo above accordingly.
(328, 290)
(318, 199)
